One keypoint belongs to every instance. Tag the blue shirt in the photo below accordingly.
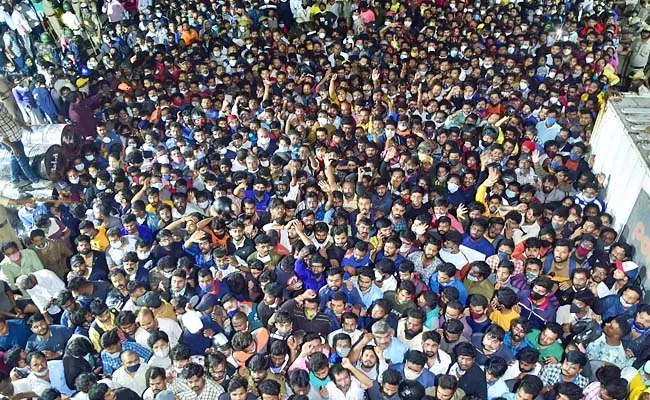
(395, 352)
(398, 261)
(112, 362)
(507, 342)
(426, 378)
(373, 294)
(260, 205)
(612, 307)
(353, 298)
(196, 341)
(144, 233)
(59, 336)
(18, 334)
(482, 245)
(199, 259)
(307, 278)
(57, 377)
(437, 287)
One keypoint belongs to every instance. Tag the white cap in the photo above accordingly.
(192, 321)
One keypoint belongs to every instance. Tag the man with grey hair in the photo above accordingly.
(42, 287)
(132, 374)
(386, 344)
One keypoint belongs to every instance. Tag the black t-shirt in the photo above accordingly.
(126, 394)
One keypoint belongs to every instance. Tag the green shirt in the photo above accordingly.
(10, 271)
(554, 350)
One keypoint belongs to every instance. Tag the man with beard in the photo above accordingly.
(157, 383)
(635, 340)
(201, 387)
(545, 341)
(400, 299)
(370, 364)
(471, 377)
(526, 363)
(94, 261)
(411, 329)
(515, 339)
(387, 389)
(335, 284)
(438, 361)
(414, 369)
(342, 243)
(182, 208)
(550, 192)
(568, 371)
(48, 339)
(452, 335)
(258, 371)
(238, 243)
(426, 261)
(568, 289)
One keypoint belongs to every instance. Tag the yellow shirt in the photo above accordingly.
(100, 241)
(504, 320)
(153, 210)
(165, 310)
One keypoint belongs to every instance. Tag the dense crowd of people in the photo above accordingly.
(320, 200)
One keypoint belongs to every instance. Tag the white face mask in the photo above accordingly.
(74, 181)
(264, 259)
(322, 121)
(100, 186)
(116, 245)
(264, 141)
(157, 185)
(410, 375)
(79, 167)
(204, 204)
(265, 163)
(164, 352)
(89, 157)
(143, 256)
(452, 187)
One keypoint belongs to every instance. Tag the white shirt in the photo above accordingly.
(169, 326)
(116, 255)
(356, 392)
(442, 363)
(355, 336)
(513, 370)
(137, 382)
(47, 285)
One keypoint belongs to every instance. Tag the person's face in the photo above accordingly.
(129, 329)
(383, 340)
(561, 254)
(40, 328)
(444, 394)
(157, 384)
(218, 373)
(547, 337)
(335, 282)
(570, 369)
(148, 322)
(465, 362)
(342, 381)
(38, 364)
(196, 384)
(119, 282)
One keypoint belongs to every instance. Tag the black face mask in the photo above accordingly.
(574, 309)
(536, 296)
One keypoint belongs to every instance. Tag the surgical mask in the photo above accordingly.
(531, 276)
(264, 142)
(472, 278)
(523, 85)
(204, 204)
(79, 167)
(207, 288)
(624, 303)
(133, 368)
(116, 245)
(550, 121)
(410, 375)
(265, 163)
(574, 156)
(510, 194)
(589, 60)
(164, 352)
(452, 187)
(100, 186)
(157, 185)
(74, 181)
(41, 373)
(322, 121)
(143, 256)
(343, 351)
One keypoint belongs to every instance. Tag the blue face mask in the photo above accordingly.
(232, 313)
(133, 368)
(555, 164)
(550, 121)
(574, 156)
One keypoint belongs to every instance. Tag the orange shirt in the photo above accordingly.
(190, 36)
